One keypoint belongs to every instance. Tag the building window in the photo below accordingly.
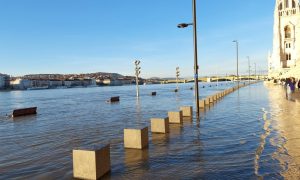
(294, 4)
(280, 7)
(287, 31)
(287, 5)
(288, 57)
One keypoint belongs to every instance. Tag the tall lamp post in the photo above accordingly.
(137, 73)
(255, 71)
(184, 25)
(237, 59)
(249, 68)
(177, 77)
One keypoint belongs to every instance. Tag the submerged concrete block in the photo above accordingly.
(211, 99)
(207, 101)
(160, 125)
(91, 163)
(114, 99)
(215, 97)
(24, 112)
(202, 104)
(175, 117)
(187, 111)
(136, 138)
(153, 94)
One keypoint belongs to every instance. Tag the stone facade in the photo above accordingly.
(286, 38)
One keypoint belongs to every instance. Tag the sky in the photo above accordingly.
(84, 36)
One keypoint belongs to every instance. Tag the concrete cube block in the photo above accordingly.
(91, 163)
(187, 111)
(136, 138)
(211, 99)
(202, 104)
(215, 97)
(160, 125)
(175, 117)
(207, 101)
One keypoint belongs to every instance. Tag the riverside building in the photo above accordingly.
(286, 39)
(4, 81)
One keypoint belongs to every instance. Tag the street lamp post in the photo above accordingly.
(255, 71)
(137, 73)
(249, 68)
(184, 25)
(177, 77)
(237, 59)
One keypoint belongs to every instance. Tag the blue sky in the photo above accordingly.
(78, 36)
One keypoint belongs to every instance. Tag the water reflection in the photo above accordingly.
(135, 157)
(262, 144)
(175, 130)
(286, 115)
(221, 145)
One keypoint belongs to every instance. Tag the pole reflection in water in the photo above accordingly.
(139, 115)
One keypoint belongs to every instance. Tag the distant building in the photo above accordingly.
(286, 38)
(40, 83)
(112, 82)
(4, 81)
(67, 83)
(55, 83)
(21, 84)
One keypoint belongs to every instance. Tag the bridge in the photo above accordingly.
(215, 79)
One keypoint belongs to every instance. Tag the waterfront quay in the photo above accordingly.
(248, 134)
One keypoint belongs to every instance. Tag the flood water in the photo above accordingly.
(251, 133)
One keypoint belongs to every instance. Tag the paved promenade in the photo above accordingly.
(286, 114)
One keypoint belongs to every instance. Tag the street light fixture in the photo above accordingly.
(237, 59)
(184, 25)
(137, 73)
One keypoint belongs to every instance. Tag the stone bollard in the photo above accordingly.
(153, 94)
(175, 117)
(207, 101)
(91, 163)
(136, 138)
(160, 125)
(114, 99)
(202, 104)
(211, 99)
(215, 97)
(24, 112)
(187, 111)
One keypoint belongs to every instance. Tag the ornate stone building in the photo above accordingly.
(286, 38)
